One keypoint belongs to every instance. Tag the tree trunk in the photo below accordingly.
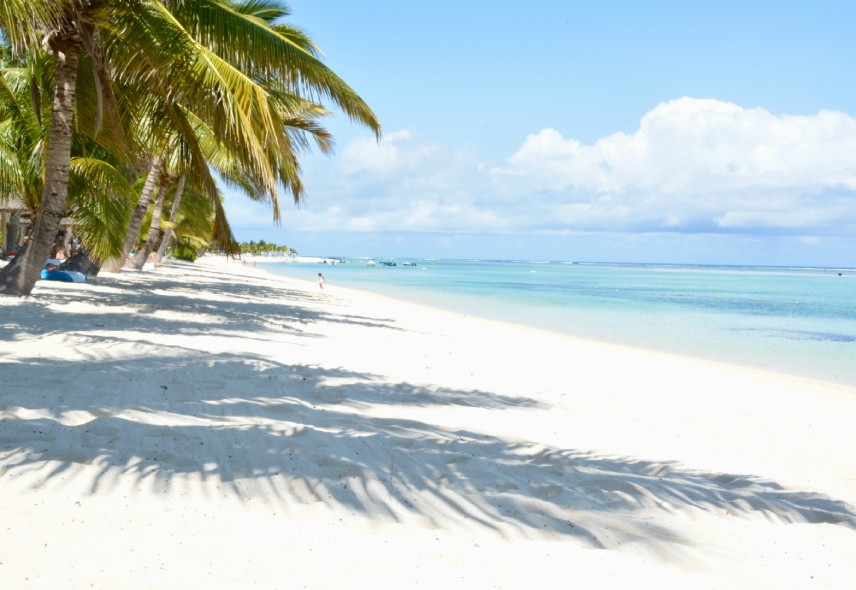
(118, 264)
(82, 262)
(12, 233)
(167, 234)
(20, 278)
(154, 228)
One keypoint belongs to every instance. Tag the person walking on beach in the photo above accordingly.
(320, 281)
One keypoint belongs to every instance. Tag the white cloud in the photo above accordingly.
(396, 152)
(692, 166)
(695, 163)
(405, 182)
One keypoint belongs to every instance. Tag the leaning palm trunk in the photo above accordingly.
(117, 264)
(154, 227)
(167, 234)
(20, 278)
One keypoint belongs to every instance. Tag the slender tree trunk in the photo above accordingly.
(12, 233)
(20, 278)
(118, 264)
(167, 234)
(154, 228)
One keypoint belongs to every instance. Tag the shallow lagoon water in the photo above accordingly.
(794, 320)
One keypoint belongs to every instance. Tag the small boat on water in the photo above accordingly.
(370, 263)
(385, 263)
(408, 264)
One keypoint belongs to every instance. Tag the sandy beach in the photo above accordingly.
(210, 425)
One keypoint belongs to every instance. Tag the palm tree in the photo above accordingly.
(205, 53)
(194, 222)
(136, 221)
(198, 141)
(98, 181)
(99, 200)
(154, 227)
(65, 42)
(263, 144)
(21, 134)
(170, 226)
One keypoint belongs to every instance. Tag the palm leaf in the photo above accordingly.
(24, 21)
(274, 53)
(100, 200)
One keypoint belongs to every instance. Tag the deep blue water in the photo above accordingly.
(794, 320)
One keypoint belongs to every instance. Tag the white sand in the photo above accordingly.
(214, 426)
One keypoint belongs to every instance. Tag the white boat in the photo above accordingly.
(370, 263)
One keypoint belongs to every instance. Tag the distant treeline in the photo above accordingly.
(262, 247)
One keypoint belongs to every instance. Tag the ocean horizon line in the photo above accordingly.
(311, 259)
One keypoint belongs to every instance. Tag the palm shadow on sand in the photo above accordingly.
(326, 435)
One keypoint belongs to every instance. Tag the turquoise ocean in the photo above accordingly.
(800, 321)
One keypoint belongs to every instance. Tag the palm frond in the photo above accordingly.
(269, 11)
(96, 114)
(100, 200)
(268, 52)
(23, 22)
(11, 178)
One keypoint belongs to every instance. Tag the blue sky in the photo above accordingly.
(662, 131)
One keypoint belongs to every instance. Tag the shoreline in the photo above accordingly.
(223, 424)
(466, 307)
